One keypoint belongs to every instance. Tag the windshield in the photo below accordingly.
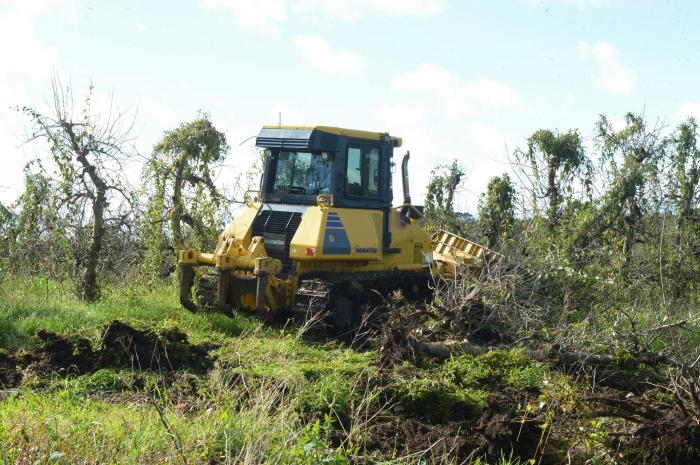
(302, 173)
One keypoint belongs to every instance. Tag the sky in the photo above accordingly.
(467, 80)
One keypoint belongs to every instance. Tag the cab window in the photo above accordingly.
(363, 171)
(302, 173)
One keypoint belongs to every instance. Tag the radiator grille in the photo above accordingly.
(276, 224)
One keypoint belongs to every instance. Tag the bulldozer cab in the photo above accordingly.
(302, 163)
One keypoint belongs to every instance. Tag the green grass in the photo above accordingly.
(271, 397)
(247, 407)
(31, 304)
(64, 426)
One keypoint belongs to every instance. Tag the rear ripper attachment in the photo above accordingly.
(244, 277)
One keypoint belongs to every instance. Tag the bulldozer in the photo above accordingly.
(321, 236)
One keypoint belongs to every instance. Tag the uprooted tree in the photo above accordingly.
(184, 200)
(87, 151)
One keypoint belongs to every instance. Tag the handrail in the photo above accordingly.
(324, 200)
(246, 197)
(408, 205)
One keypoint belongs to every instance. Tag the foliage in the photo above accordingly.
(555, 161)
(439, 201)
(313, 450)
(330, 393)
(630, 160)
(436, 400)
(461, 386)
(497, 210)
(38, 238)
(182, 192)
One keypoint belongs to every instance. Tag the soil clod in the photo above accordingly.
(120, 346)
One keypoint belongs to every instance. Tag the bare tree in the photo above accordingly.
(89, 149)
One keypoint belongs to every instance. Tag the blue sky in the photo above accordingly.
(466, 79)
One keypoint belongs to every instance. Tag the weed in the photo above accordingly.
(311, 449)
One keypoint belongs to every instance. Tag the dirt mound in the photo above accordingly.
(9, 374)
(125, 346)
(499, 429)
(673, 439)
(120, 346)
(62, 354)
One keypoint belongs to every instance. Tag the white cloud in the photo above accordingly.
(400, 114)
(267, 16)
(581, 4)
(32, 8)
(23, 53)
(264, 16)
(457, 95)
(686, 109)
(350, 10)
(613, 75)
(318, 53)
(486, 140)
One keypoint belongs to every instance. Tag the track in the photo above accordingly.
(342, 301)
(339, 301)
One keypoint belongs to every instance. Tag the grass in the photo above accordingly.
(31, 304)
(246, 410)
(271, 397)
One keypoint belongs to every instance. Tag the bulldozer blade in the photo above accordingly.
(186, 283)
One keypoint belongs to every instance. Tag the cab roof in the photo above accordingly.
(276, 131)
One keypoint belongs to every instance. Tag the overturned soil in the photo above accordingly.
(673, 439)
(499, 428)
(648, 430)
(119, 346)
(657, 433)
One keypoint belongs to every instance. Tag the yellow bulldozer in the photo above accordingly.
(321, 234)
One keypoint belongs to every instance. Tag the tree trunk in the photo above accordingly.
(632, 221)
(89, 289)
(176, 215)
(553, 197)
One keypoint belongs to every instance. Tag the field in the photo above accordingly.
(136, 379)
(579, 345)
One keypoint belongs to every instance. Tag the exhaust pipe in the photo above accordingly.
(404, 177)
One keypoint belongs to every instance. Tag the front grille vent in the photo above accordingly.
(278, 224)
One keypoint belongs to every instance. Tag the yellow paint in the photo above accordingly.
(363, 228)
(410, 246)
(242, 226)
(412, 249)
